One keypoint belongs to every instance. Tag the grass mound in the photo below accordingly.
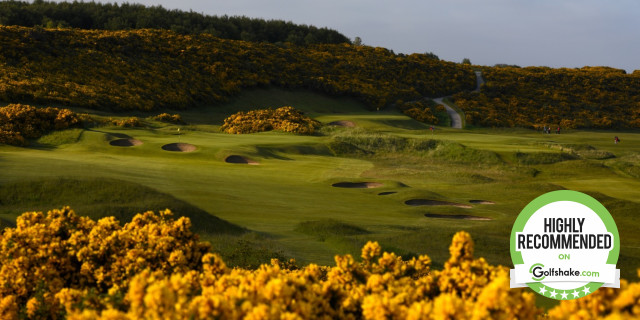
(365, 143)
(102, 197)
(61, 137)
(584, 151)
(362, 142)
(629, 165)
(543, 157)
(458, 153)
(328, 228)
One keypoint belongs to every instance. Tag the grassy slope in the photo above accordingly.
(293, 183)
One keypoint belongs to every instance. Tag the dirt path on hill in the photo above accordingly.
(456, 120)
(479, 81)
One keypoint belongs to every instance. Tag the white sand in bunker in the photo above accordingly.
(125, 142)
(179, 147)
(343, 123)
(426, 202)
(240, 160)
(456, 216)
(481, 202)
(357, 185)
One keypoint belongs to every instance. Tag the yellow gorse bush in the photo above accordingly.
(421, 110)
(49, 257)
(170, 118)
(155, 69)
(130, 122)
(58, 265)
(19, 122)
(286, 119)
(533, 97)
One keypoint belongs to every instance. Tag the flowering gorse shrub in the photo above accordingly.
(48, 258)
(170, 118)
(19, 122)
(285, 119)
(130, 122)
(381, 286)
(159, 69)
(58, 265)
(422, 110)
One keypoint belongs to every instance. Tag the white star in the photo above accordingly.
(564, 295)
(542, 290)
(586, 290)
(575, 293)
(553, 293)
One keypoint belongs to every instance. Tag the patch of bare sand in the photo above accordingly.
(426, 202)
(456, 217)
(125, 142)
(179, 147)
(358, 185)
(481, 202)
(343, 123)
(240, 160)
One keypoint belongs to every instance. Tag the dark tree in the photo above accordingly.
(92, 15)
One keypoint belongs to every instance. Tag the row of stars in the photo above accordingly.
(564, 294)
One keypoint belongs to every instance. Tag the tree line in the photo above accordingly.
(534, 97)
(150, 69)
(126, 16)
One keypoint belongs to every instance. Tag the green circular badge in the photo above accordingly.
(565, 245)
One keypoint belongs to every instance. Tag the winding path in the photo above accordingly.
(456, 120)
(479, 81)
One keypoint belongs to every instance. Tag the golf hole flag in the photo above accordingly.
(565, 245)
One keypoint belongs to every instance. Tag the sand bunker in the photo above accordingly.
(240, 160)
(343, 123)
(425, 202)
(357, 185)
(481, 202)
(125, 143)
(387, 193)
(456, 216)
(179, 147)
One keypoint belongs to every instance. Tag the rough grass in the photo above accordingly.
(458, 153)
(58, 138)
(364, 142)
(360, 142)
(584, 151)
(249, 250)
(327, 228)
(543, 157)
(628, 165)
